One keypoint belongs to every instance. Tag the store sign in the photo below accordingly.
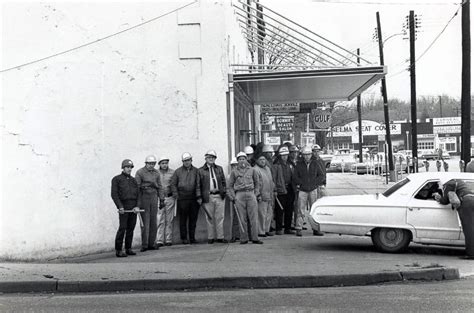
(284, 123)
(321, 118)
(447, 139)
(447, 129)
(308, 138)
(280, 108)
(369, 128)
(273, 141)
(456, 120)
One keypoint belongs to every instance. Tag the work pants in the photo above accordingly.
(284, 215)
(215, 207)
(246, 204)
(304, 199)
(264, 221)
(127, 222)
(149, 217)
(466, 215)
(165, 222)
(188, 214)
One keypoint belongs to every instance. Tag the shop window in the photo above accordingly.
(450, 147)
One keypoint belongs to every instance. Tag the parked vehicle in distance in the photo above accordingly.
(404, 213)
(342, 163)
(433, 155)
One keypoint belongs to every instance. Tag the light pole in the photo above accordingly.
(407, 132)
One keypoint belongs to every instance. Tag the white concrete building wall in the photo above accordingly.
(68, 121)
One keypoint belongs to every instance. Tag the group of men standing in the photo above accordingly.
(159, 195)
(263, 186)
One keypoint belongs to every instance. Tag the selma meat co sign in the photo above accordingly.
(369, 128)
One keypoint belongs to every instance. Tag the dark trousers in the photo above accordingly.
(150, 219)
(188, 214)
(283, 216)
(466, 215)
(127, 222)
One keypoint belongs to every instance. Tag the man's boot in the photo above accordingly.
(120, 254)
(298, 233)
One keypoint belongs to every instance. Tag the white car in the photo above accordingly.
(403, 213)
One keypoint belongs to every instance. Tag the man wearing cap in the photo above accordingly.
(308, 176)
(166, 214)
(213, 191)
(285, 190)
(243, 191)
(322, 186)
(151, 195)
(186, 189)
(293, 156)
(125, 196)
(235, 231)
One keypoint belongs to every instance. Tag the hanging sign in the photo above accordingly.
(280, 108)
(321, 118)
(284, 123)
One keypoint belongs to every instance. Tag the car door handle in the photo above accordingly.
(411, 209)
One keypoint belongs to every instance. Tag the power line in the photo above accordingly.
(432, 42)
(385, 3)
(97, 40)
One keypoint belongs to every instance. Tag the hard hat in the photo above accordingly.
(316, 147)
(186, 156)
(150, 159)
(284, 151)
(294, 148)
(306, 150)
(233, 161)
(163, 158)
(248, 150)
(267, 148)
(241, 154)
(470, 167)
(127, 162)
(211, 153)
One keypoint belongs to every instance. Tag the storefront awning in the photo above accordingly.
(316, 85)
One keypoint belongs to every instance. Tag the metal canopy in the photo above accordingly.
(298, 65)
(308, 85)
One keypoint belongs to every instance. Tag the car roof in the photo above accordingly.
(444, 176)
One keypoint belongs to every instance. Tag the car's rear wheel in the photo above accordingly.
(391, 240)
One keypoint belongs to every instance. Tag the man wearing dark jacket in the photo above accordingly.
(186, 189)
(308, 177)
(213, 192)
(286, 194)
(125, 196)
(465, 211)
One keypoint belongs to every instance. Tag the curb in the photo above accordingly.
(259, 282)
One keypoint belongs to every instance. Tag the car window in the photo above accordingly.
(395, 187)
(427, 191)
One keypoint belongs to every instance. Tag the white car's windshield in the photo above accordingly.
(395, 187)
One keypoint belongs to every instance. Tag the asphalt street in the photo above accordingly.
(450, 296)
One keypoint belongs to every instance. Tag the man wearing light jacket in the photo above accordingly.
(243, 191)
(186, 189)
(166, 214)
(213, 191)
(267, 188)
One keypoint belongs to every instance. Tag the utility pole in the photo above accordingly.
(388, 138)
(440, 107)
(466, 84)
(359, 114)
(414, 132)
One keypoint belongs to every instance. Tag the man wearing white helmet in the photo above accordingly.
(166, 214)
(243, 191)
(187, 191)
(308, 176)
(213, 191)
(267, 151)
(250, 155)
(285, 190)
(267, 188)
(151, 196)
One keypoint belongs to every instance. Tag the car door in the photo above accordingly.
(431, 219)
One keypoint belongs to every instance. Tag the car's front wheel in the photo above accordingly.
(391, 240)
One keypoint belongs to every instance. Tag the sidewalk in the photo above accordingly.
(282, 261)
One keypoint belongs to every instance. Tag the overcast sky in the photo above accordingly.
(351, 23)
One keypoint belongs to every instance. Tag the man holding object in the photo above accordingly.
(125, 196)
